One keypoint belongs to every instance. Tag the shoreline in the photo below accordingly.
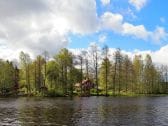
(63, 96)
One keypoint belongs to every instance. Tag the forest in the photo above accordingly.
(93, 72)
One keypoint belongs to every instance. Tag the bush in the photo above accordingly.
(54, 93)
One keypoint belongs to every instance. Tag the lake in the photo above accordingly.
(85, 111)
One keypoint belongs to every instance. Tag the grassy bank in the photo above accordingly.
(54, 93)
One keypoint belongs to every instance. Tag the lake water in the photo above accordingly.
(85, 111)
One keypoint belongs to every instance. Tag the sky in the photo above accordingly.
(34, 26)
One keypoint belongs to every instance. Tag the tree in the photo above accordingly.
(46, 56)
(149, 72)
(25, 62)
(104, 75)
(127, 72)
(16, 79)
(117, 76)
(35, 75)
(8, 78)
(85, 55)
(138, 73)
(94, 52)
(58, 76)
(81, 70)
(40, 61)
(64, 59)
(164, 71)
(107, 66)
(53, 75)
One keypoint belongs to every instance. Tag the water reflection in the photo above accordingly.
(86, 111)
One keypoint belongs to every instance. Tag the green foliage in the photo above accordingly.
(7, 78)
(105, 72)
(54, 93)
(118, 75)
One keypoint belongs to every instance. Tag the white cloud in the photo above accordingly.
(129, 14)
(158, 57)
(105, 2)
(115, 22)
(102, 38)
(138, 4)
(38, 25)
(112, 21)
(138, 31)
(159, 34)
(81, 16)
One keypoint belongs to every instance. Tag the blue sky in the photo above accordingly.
(35, 26)
(153, 14)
